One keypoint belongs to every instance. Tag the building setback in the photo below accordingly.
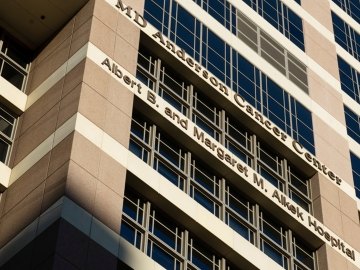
(179, 134)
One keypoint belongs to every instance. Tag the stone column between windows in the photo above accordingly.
(332, 206)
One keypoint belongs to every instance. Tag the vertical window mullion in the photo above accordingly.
(290, 248)
(222, 121)
(222, 198)
(170, 18)
(152, 145)
(257, 241)
(291, 113)
(255, 149)
(357, 86)
(157, 75)
(184, 248)
(146, 224)
(284, 176)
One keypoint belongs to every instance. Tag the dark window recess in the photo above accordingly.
(14, 61)
(7, 127)
(346, 36)
(352, 124)
(350, 80)
(355, 164)
(351, 7)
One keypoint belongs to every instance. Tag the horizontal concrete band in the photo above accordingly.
(12, 96)
(5, 173)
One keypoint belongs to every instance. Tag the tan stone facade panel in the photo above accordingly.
(320, 10)
(330, 259)
(320, 187)
(332, 149)
(80, 186)
(321, 50)
(36, 134)
(326, 96)
(112, 174)
(108, 206)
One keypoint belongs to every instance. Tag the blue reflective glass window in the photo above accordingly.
(269, 177)
(201, 259)
(299, 200)
(221, 11)
(351, 7)
(239, 228)
(169, 150)
(246, 78)
(213, 53)
(168, 173)
(205, 179)
(350, 79)
(144, 79)
(346, 36)
(295, 29)
(173, 101)
(207, 108)
(251, 3)
(340, 30)
(163, 229)
(269, 10)
(274, 104)
(240, 207)
(161, 256)
(352, 124)
(155, 13)
(216, 8)
(137, 129)
(355, 164)
(273, 231)
(130, 234)
(133, 210)
(238, 152)
(138, 150)
(274, 254)
(202, 199)
(205, 127)
(303, 126)
(130, 209)
(184, 34)
(127, 232)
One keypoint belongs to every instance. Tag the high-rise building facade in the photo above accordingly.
(180, 134)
